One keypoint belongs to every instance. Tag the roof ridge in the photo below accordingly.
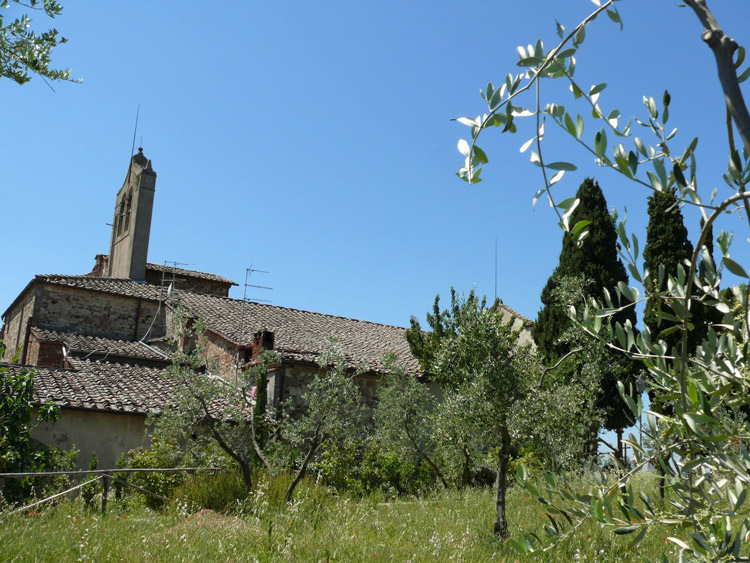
(516, 313)
(298, 310)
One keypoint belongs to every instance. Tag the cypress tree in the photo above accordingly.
(667, 245)
(595, 260)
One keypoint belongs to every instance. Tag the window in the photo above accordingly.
(127, 211)
(121, 218)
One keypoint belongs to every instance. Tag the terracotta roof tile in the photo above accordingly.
(81, 344)
(108, 386)
(103, 260)
(189, 273)
(103, 386)
(115, 286)
(298, 334)
(524, 319)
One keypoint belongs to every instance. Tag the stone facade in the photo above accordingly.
(16, 326)
(70, 309)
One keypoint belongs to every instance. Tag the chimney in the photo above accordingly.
(263, 340)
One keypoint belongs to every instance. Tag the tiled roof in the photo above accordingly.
(301, 335)
(103, 259)
(188, 273)
(298, 334)
(104, 386)
(523, 318)
(115, 286)
(108, 386)
(80, 344)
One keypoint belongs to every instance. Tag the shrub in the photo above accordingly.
(162, 484)
(212, 490)
(362, 467)
(89, 491)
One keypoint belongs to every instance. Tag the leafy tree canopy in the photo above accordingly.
(23, 51)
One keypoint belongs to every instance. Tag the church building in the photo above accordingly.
(99, 342)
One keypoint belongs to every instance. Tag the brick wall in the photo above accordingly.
(43, 353)
(221, 355)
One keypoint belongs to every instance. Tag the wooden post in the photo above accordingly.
(105, 491)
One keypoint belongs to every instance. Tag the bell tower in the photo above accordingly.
(131, 227)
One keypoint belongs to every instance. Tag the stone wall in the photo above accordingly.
(17, 326)
(69, 309)
(291, 382)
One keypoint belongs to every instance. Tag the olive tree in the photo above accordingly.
(17, 421)
(216, 413)
(23, 50)
(405, 418)
(485, 373)
(708, 471)
(331, 409)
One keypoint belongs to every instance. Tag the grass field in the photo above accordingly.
(316, 526)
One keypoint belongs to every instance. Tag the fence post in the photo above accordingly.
(105, 491)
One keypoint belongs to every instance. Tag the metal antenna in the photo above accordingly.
(171, 267)
(248, 272)
(135, 130)
(495, 269)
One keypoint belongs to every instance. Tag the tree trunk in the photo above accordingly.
(247, 476)
(662, 478)
(501, 524)
(466, 474)
(622, 459)
(303, 468)
(431, 463)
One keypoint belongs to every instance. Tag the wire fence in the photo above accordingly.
(106, 476)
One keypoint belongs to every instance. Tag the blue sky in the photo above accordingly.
(314, 141)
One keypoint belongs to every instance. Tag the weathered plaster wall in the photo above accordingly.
(107, 434)
(525, 336)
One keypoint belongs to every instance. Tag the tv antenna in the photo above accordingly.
(171, 266)
(495, 269)
(248, 273)
(132, 147)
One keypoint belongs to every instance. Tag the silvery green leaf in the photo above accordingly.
(735, 268)
(463, 147)
(566, 166)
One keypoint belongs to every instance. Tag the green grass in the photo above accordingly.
(316, 526)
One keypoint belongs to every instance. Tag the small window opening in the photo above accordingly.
(121, 219)
(127, 211)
